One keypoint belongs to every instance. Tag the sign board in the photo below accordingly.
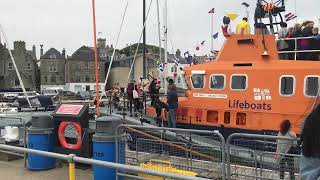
(204, 95)
(69, 109)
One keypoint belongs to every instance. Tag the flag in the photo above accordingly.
(232, 16)
(214, 51)
(176, 61)
(211, 11)
(188, 57)
(186, 54)
(245, 4)
(215, 36)
(160, 67)
(290, 16)
(202, 42)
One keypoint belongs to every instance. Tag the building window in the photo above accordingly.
(77, 78)
(29, 66)
(61, 78)
(45, 78)
(78, 66)
(53, 67)
(87, 65)
(17, 82)
(197, 81)
(87, 78)
(30, 77)
(10, 66)
(239, 82)
(287, 84)
(53, 79)
(151, 63)
(217, 82)
(311, 86)
(53, 56)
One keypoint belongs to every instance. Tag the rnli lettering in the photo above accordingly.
(246, 105)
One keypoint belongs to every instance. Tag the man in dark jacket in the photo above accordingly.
(172, 99)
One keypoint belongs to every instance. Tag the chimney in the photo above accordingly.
(41, 50)
(34, 51)
(178, 53)
(19, 46)
(64, 53)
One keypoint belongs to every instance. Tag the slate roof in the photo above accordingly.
(83, 53)
(52, 51)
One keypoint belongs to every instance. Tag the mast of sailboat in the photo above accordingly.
(159, 30)
(15, 65)
(96, 58)
(144, 40)
(165, 45)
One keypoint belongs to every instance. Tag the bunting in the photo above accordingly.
(290, 16)
(211, 11)
(215, 36)
(176, 61)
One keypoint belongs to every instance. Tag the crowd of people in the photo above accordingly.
(165, 110)
(309, 146)
(309, 39)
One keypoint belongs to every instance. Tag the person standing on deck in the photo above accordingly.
(172, 100)
(285, 149)
(243, 27)
(153, 91)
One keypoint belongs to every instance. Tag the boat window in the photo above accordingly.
(226, 118)
(241, 119)
(311, 86)
(217, 82)
(287, 84)
(197, 81)
(212, 116)
(239, 82)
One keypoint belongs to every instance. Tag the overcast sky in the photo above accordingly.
(68, 23)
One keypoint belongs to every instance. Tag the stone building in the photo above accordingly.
(52, 69)
(26, 62)
(80, 71)
(121, 67)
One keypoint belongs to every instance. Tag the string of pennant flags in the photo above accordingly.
(233, 16)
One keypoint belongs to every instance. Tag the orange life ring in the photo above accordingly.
(62, 138)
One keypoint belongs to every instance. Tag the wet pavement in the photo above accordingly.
(14, 170)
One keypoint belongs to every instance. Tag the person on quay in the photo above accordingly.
(285, 149)
(310, 139)
(172, 100)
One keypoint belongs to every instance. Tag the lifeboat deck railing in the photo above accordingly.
(296, 49)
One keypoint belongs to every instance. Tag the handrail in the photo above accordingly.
(71, 158)
(295, 51)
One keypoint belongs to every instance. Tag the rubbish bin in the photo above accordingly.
(104, 146)
(40, 139)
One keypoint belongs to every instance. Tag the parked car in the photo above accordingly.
(68, 95)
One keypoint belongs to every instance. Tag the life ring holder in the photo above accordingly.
(62, 138)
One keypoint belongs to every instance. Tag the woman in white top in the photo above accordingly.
(285, 148)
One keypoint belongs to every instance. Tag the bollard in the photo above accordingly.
(72, 173)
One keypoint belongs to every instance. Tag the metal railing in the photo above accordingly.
(72, 159)
(193, 150)
(255, 156)
(296, 49)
